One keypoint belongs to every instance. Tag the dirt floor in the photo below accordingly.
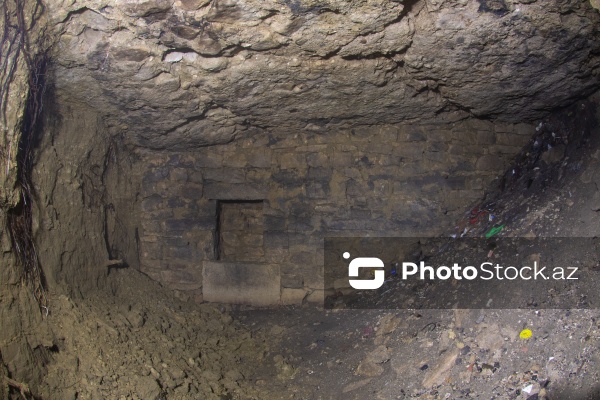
(134, 340)
(359, 350)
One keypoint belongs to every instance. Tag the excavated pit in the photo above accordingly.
(167, 208)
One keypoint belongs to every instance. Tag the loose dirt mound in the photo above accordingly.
(134, 341)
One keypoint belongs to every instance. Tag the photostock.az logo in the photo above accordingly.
(365, 262)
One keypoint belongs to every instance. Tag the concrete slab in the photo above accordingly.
(241, 283)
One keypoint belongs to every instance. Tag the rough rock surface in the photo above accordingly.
(175, 74)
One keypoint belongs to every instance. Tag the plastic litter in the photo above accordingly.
(528, 389)
(525, 334)
(477, 214)
(494, 231)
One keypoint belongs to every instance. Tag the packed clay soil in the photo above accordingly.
(134, 340)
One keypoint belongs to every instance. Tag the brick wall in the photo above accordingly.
(378, 181)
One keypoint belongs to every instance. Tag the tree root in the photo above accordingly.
(23, 388)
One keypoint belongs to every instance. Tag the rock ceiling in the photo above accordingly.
(186, 73)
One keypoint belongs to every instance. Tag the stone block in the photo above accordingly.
(288, 178)
(406, 187)
(312, 148)
(148, 187)
(345, 147)
(511, 139)
(176, 202)
(298, 239)
(206, 207)
(259, 158)
(460, 136)
(276, 255)
(489, 162)
(456, 182)
(317, 159)
(241, 283)
(317, 190)
(410, 133)
(388, 134)
(469, 195)
(156, 175)
(298, 223)
(313, 276)
(191, 191)
(151, 225)
(380, 186)
(435, 134)
(414, 168)
(238, 246)
(182, 278)
(378, 148)
(209, 158)
(410, 151)
(239, 191)
(364, 161)
(459, 164)
(319, 174)
(383, 161)
(152, 203)
(485, 137)
(274, 223)
(505, 150)
(435, 156)
(477, 125)
(181, 253)
(355, 188)
(234, 160)
(178, 175)
(258, 176)
(300, 207)
(189, 224)
(525, 130)
(436, 146)
(305, 258)
(363, 133)
(292, 296)
(276, 239)
(292, 279)
(291, 161)
(352, 172)
(195, 176)
(151, 251)
(153, 274)
(227, 175)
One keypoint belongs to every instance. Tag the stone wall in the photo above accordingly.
(261, 205)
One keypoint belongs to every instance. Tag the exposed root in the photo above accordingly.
(18, 21)
(23, 388)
